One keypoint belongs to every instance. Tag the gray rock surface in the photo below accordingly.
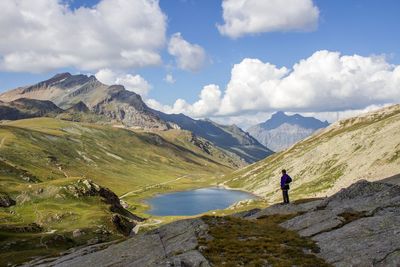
(358, 226)
(170, 245)
(286, 209)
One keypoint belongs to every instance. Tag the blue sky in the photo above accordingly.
(368, 28)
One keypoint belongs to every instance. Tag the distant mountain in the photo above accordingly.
(84, 98)
(230, 138)
(282, 131)
(27, 108)
(66, 90)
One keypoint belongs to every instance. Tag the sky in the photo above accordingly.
(235, 61)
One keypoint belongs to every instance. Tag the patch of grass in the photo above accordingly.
(395, 156)
(238, 242)
(351, 216)
(306, 200)
(323, 183)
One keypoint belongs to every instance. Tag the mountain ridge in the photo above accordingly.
(71, 92)
(65, 90)
(229, 137)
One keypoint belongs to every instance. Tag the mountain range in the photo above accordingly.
(231, 137)
(115, 104)
(281, 130)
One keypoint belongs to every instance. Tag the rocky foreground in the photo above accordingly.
(358, 226)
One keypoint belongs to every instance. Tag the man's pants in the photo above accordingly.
(285, 195)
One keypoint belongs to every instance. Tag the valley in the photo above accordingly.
(79, 175)
(48, 166)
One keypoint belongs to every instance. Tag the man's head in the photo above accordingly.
(283, 171)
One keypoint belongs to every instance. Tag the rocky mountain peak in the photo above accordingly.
(115, 102)
(280, 117)
(282, 131)
(79, 107)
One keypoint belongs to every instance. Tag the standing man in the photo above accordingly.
(285, 181)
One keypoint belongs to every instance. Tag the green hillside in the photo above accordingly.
(364, 147)
(44, 161)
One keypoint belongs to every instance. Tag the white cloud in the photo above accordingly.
(106, 76)
(43, 35)
(244, 121)
(325, 82)
(169, 79)
(134, 83)
(243, 17)
(210, 97)
(190, 57)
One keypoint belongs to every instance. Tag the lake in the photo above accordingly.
(195, 201)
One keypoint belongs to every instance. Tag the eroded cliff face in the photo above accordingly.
(357, 226)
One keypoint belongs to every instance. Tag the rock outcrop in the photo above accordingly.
(86, 187)
(358, 226)
(6, 200)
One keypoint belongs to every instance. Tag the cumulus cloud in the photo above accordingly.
(243, 17)
(208, 103)
(169, 79)
(325, 82)
(134, 83)
(190, 57)
(43, 35)
(244, 121)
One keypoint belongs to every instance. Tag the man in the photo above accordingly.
(285, 181)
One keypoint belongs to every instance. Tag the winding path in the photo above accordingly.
(152, 186)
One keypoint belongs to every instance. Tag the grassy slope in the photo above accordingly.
(116, 158)
(366, 147)
(38, 156)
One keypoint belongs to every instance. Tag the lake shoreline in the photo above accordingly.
(195, 201)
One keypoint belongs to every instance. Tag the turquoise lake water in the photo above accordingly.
(195, 201)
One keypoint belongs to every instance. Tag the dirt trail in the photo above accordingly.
(61, 170)
(2, 141)
(152, 186)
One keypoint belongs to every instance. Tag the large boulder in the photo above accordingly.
(6, 201)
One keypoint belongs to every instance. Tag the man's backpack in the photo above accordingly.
(288, 179)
